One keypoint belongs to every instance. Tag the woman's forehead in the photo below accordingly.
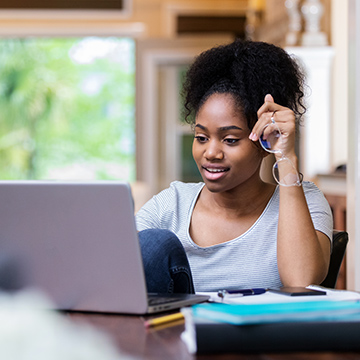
(223, 108)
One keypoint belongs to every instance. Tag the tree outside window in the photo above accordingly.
(67, 108)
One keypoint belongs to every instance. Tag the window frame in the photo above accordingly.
(58, 24)
(151, 54)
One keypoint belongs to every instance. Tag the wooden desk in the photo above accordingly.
(133, 339)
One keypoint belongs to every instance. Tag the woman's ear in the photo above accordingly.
(266, 168)
(265, 154)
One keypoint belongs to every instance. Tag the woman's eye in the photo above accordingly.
(231, 141)
(200, 138)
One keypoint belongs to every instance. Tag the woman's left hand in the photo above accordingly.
(285, 121)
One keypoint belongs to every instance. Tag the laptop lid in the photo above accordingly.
(77, 241)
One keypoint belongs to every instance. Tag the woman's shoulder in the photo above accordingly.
(179, 191)
(314, 196)
(310, 187)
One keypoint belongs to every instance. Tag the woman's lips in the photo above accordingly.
(214, 173)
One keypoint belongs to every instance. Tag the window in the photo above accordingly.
(67, 108)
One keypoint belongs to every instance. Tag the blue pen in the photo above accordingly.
(241, 292)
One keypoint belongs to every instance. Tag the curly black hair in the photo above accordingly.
(248, 70)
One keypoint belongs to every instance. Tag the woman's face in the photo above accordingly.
(222, 150)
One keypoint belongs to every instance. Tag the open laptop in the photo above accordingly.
(77, 242)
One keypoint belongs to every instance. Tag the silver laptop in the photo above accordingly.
(77, 242)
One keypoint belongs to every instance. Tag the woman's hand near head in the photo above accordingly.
(285, 121)
(303, 253)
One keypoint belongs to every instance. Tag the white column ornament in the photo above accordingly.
(312, 11)
(292, 7)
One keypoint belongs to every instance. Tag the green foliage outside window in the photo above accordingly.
(67, 109)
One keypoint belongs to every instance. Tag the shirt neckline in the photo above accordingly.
(191, 210)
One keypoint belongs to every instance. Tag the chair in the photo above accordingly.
(340, 240)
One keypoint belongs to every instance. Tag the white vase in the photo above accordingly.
(312, 11)
(292, 7)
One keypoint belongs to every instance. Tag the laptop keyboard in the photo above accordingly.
(162, 300)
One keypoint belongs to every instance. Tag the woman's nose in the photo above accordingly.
(213, 151)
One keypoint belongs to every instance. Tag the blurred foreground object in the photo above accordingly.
(29, 331)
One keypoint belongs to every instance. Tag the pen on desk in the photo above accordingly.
(241, 292)
(164, 319)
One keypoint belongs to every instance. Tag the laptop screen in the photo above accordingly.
(76, 241)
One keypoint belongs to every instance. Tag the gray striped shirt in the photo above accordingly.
(249, 260)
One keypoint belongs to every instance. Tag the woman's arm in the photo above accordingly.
(303, 253)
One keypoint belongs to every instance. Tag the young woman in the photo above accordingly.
(233, 230)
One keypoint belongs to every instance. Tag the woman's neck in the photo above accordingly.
(238, 201)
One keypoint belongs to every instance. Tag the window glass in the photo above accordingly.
(67, 108)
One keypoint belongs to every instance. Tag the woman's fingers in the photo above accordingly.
(264, 115)
(269, 98)
(263, 120)
(282, 117)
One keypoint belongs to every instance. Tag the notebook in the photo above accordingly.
(77, 242)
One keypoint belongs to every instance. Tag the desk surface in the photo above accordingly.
(133, 339)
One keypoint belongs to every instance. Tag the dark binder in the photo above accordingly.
(278, 337)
